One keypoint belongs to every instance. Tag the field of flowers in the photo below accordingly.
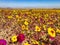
(29, 26)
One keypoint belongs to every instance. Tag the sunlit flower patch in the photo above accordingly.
(29, 27)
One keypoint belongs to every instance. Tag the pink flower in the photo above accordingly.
(52, 38)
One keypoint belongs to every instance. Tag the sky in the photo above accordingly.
(30, 3)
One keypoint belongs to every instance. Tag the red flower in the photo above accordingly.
(21, 37)
(35, 44)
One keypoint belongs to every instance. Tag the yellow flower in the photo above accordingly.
(27, 28)
(17, 16)
(37, 28)
(51, 32)
(26, 43)
(46, 15)
(14, 38)
(44, 26)
(24, 27)
(10, 17)
(49, 22)
(58, 31)
(26, 23)
(14, 10)
(34, 41)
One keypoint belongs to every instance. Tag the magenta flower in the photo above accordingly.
(3, 42)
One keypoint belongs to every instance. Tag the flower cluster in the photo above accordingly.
(31, 26)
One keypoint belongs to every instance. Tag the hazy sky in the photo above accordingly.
(30, 3)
